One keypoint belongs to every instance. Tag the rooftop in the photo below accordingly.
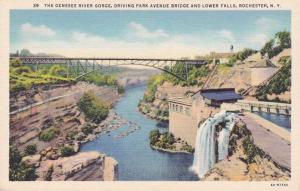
(222, 94)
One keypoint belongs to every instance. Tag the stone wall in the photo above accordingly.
(183, 126)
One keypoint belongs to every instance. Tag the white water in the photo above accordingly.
(205, 156)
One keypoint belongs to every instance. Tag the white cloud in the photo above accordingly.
(85, 38)
(224, 33)
(265, 23)
(144, 44)
(141, 31)
(40, 30)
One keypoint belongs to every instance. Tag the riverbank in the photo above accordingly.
(58, 124)
(136, 159)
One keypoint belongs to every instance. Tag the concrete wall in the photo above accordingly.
(258, 75)
(183, 126)
(186, 126)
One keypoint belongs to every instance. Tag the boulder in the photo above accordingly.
(82, 166)
(32, 160)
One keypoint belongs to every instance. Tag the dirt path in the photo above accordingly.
(274, 145)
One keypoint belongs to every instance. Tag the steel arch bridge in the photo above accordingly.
(82, 66)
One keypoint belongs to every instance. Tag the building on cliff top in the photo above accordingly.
(186, 113)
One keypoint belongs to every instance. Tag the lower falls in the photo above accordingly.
(211, 142)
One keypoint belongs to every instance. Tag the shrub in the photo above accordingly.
(48, 176)
(93, 107)
(22, 69)
(57, 70)
(30, 149)
(274, 46)
(168, 138)
(17, 170)
(49, 134)
(16, 63)
(67, 151)
(250, 150)
(241, 90)
(154, 136)
(71, 135)
(188, 148)
(88, 129)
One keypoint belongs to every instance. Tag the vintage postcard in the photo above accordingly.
(149, 96)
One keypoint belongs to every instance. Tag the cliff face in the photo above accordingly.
(246, 161)
(84, 166)
(62, 114)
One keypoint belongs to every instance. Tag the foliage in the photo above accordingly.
(101, 79)
(23, 77)
(48, 175)
(195, 73)
(224, 68)
(22, 70)
(167, 138)
(88, 129)
(25, 52)
(71, 135)
(162, 140)
(242, 55)
(15, 63)
(250, 150)
(30, 150)
(279, 84)
(241, 90)
(93, 107)
(154, 136)
(245, 53)
(66, 151)
(273, 47)
(17, 170)
(187, 148)
(57, 70)
(152, 85)
(49, 134)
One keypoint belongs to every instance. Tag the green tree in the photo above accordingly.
(30, 150)
(25, 52)
(93, 107)
(57, 70)
(154, 136)
(17, 170)
(67, 151)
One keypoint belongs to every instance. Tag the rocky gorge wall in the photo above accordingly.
(62, 117)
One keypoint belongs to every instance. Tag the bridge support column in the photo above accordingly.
(277, 111)
(268, 110)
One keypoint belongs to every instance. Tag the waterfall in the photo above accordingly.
(205, 156)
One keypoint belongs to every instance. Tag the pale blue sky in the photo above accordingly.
(142, 33)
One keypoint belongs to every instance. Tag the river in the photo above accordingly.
(283, 121)
(137, 161)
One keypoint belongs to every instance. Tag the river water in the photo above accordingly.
(137, 161)
(283, 121)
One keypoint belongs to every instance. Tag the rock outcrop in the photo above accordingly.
(246, 161)
(84, 166)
